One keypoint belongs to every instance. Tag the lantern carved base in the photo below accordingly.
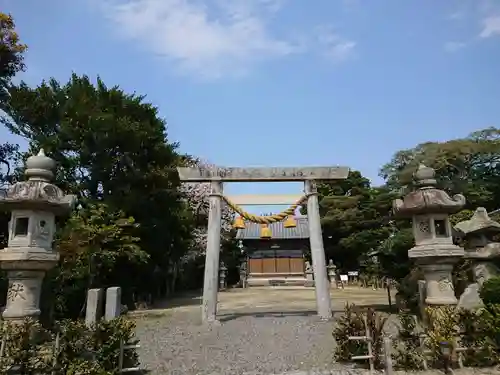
(439, 285)
(25, 276)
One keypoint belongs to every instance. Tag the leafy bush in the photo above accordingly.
(408, 354)
(476, 337)
(70, 349)
(478, 332)
(490, 291)
(352, 323)
(442, 327)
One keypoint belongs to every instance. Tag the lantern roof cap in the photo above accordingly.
(40, 167)
(427, 198)
(479, 222)
(37, 193)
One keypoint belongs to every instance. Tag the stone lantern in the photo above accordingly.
(434, 251)
(34, 204)
(478, 233)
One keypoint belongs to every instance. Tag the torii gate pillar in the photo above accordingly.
(322, 285)
(216, 176)
(211, 281)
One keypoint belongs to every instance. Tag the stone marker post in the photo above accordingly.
(434, 251)
(93, 311)
(211, 281)
(113, 303)
(34, 204)
(481, 250)
(317, 252)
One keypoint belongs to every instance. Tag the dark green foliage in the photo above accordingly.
(112, 152)
(490, 291)
(477, 329)
(81, 350)
(408, 353)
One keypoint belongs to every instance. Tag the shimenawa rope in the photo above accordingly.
(265, 219)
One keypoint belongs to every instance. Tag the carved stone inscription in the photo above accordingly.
(445, 284)
(15, 290)
(262, 174)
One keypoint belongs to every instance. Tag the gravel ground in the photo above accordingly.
(268, 344)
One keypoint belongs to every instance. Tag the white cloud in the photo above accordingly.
(208, 38)
(333, 45)
(454, 46)
(491, 27)
(225, 38)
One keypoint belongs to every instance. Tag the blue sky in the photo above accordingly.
(282, 82)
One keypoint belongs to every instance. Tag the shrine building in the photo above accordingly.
(275, 252)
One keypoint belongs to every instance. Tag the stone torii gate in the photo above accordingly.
(217, 176)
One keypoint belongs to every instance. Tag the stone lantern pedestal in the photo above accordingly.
(434, 251)
(34, 204)
(478, 234)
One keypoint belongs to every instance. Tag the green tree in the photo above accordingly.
(470, 166)
(112, 149)
(355, 219)
(11, 53)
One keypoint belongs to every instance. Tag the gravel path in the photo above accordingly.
(270, 344)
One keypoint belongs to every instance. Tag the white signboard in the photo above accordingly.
(352, 273)
(343, 278)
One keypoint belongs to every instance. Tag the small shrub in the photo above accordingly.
(25, 347)
(81, 351)
(474, 326)
(106, 343)
(408, 353)
(376, 323)
(442, 328)
(352, 323)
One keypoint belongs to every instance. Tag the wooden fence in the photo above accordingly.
(387, 352)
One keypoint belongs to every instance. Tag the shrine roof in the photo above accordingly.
(279, 232)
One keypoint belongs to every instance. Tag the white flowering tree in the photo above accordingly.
(196, 195)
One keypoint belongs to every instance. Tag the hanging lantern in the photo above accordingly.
(290, 222)
(239, 223)
(265, 232)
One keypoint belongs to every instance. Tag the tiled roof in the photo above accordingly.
(252, 230)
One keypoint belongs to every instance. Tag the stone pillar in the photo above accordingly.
(211, 281)
(113, 303)
(34, 204)
(93, 311)
(317, 252)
